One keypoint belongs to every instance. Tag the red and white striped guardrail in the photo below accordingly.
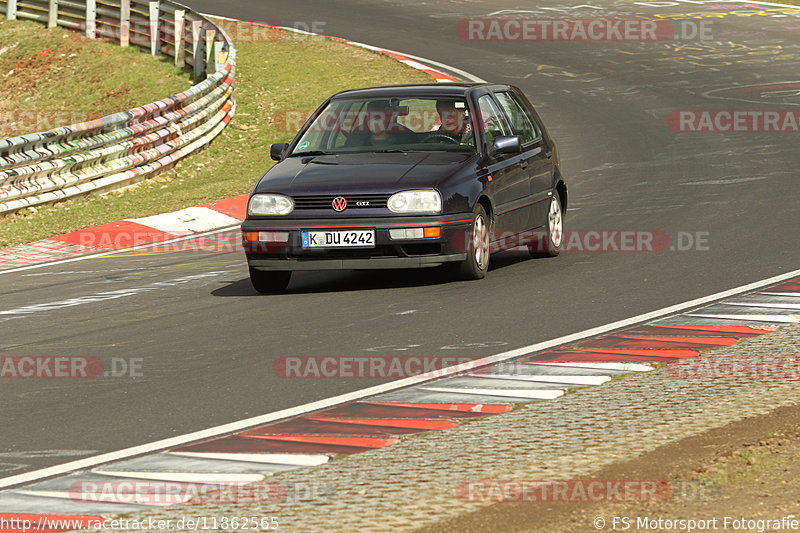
(128, 146)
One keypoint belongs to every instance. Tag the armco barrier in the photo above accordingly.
(125, 147)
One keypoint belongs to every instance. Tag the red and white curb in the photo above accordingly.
(243, 457)
(438, 75)
(123, 234)
(420, 63)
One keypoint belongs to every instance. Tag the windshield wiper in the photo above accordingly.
(310, 152)
(389, 151)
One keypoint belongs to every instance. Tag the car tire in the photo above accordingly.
(548, 243)
(477, 263)
(269, 282)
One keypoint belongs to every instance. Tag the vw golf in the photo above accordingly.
(407, 176)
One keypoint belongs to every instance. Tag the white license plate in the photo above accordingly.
(339, 239)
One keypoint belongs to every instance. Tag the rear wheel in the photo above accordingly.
(548, 243)
(477, 262)
(269, 282)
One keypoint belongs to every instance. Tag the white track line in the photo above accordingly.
(290, 459)
(144, 499)
(533, 394)
(767, 4)
(240, 425)
(546, 378)
(625, 367)
(776, 319)
(765, 305)
(187, 477)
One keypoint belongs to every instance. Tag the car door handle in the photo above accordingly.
(548, 154)
(523, 165)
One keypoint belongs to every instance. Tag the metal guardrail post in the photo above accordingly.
(180, 27)
(219, 50)
(211, 62)
(52, 14)
(198, 55)
(91, 19)
(125, 23)
(155, 38)
(11, 10)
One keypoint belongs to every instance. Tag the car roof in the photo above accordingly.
(416, 89)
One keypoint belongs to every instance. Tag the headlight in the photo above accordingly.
(270, 204)
(426, 201)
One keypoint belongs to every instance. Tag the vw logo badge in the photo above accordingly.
(339, 203)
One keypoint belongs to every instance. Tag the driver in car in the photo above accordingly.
(454, 121)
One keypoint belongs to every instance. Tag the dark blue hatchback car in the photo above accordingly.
(407, 176)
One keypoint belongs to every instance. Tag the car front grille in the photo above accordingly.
(354, 201)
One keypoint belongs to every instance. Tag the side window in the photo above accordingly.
(520, 121)
(491, 120)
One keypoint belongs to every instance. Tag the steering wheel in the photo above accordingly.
(439, 137)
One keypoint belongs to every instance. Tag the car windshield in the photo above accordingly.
(396, 124)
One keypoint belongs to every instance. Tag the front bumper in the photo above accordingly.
(387, 253)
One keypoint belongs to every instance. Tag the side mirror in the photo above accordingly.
(507, 145)
(276, 151)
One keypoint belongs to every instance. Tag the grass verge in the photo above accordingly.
(281, 77)
(54, 77)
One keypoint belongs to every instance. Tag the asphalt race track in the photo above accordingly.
(196, 344)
